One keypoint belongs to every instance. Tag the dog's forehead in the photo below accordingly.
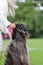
(21, 26)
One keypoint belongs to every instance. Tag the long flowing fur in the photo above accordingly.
(17, 52)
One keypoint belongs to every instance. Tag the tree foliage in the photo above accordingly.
(29, 16)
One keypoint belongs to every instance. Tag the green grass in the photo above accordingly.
(35, 55)
(35, 43)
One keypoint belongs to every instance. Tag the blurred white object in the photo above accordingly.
(15, 1)
(39, 7)
(20, 0)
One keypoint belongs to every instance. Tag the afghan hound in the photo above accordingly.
(17, 52)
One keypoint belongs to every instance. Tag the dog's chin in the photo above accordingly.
(25, 34)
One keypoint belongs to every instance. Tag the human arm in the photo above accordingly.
(6, 24)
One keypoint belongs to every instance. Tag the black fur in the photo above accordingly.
(17, 52)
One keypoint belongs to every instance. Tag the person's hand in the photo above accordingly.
(12, 25)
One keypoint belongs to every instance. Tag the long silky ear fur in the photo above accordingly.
(14, 34)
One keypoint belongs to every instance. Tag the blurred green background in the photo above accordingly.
(33, 19)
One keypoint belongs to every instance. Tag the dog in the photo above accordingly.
(17, 51)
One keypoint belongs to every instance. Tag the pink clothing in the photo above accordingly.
(6, 35)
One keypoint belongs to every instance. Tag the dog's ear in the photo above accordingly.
(14, 34)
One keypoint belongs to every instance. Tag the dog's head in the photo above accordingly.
(21, 29)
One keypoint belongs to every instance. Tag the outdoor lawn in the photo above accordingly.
(35, 51)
